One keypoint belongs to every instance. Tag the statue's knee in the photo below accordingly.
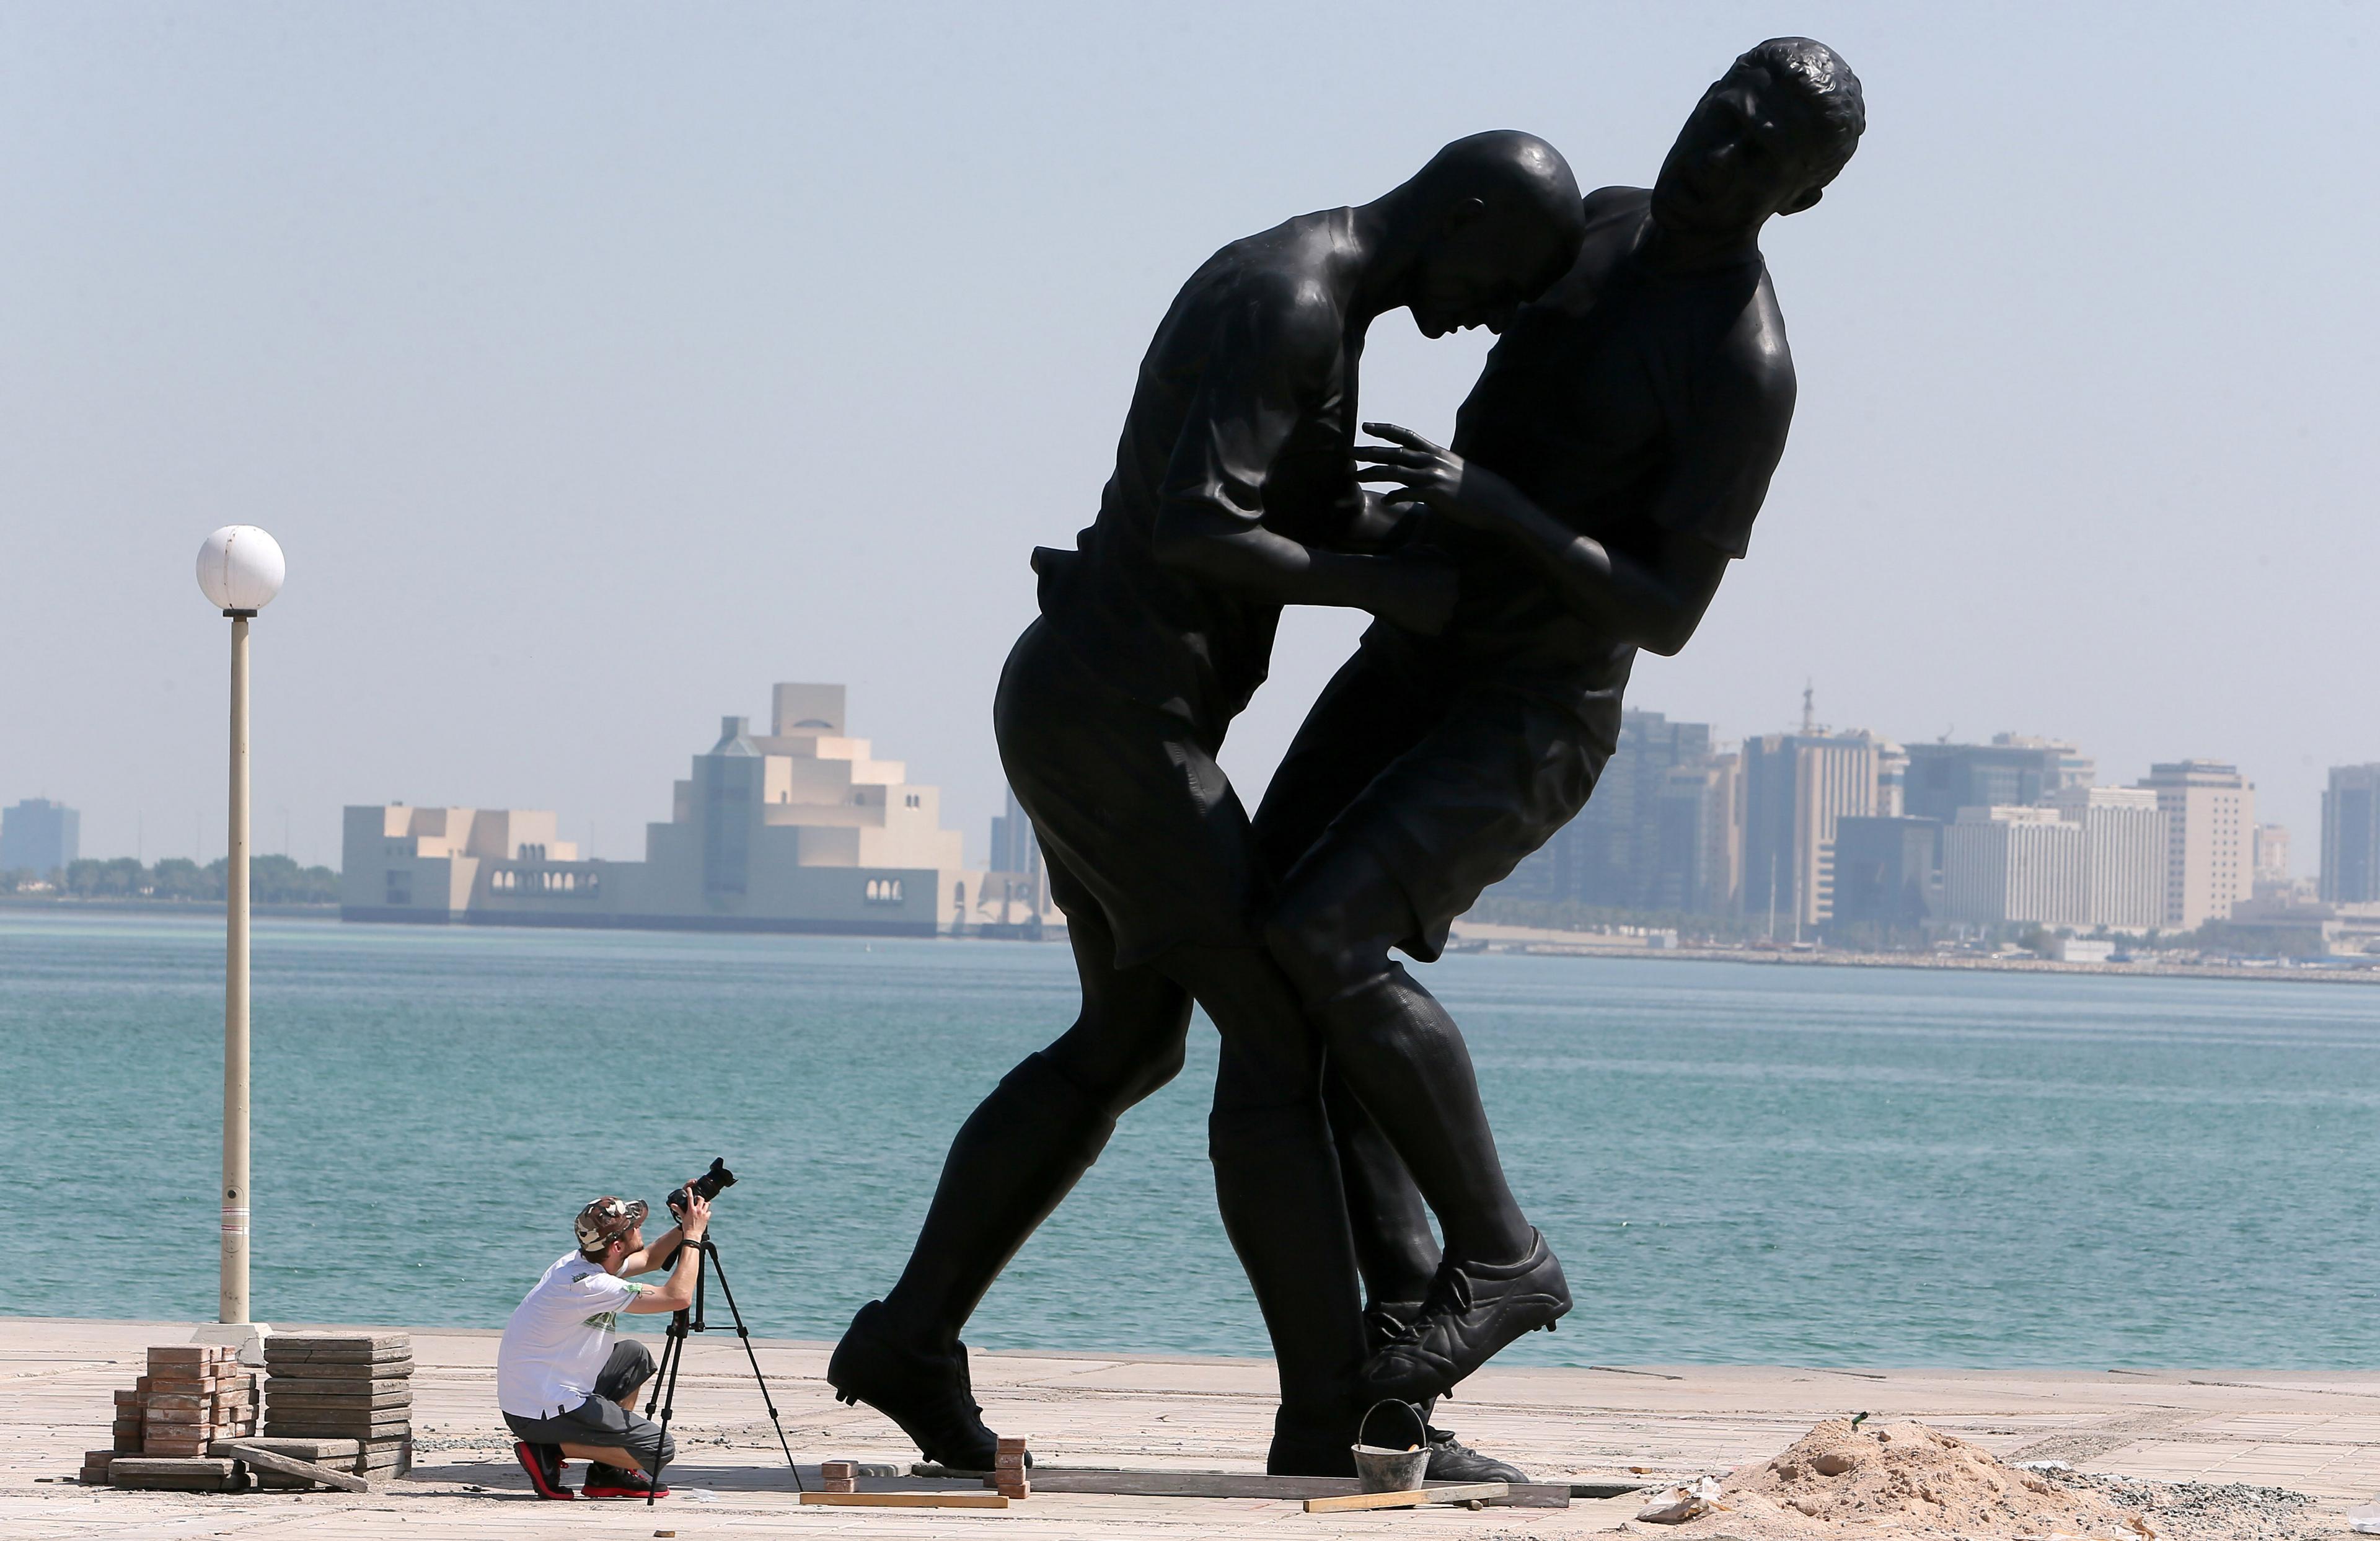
(1116, 1057)
(1163, 1063)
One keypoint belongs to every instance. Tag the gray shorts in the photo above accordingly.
(601, 1420)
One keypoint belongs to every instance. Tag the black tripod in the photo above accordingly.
(674, 1354)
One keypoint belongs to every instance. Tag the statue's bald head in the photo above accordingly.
(1498, 218)
(1506, 170)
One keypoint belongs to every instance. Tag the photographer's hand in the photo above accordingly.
(698, 1216)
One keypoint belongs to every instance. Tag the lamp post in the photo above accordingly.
(240, 569)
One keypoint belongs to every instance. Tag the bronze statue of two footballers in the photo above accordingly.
(1602, 474)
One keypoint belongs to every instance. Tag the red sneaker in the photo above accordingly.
(543, 1464)
(612, 1482)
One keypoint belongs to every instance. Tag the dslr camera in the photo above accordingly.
(706, 1186)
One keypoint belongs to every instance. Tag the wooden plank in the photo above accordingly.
(907, 1500)
(338, 1452)
(289, 1465)
(1154, 1484)
(1412, 1498)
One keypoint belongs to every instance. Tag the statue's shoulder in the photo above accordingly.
(1263, 296)
(1274, 291)
(1754, 348)
(1608, 205)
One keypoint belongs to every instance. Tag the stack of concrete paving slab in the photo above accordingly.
(167, 1424)
(356, 1387)
(1009, 1467)
(196, 1394)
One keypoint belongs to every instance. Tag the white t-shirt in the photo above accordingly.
(559, 1337)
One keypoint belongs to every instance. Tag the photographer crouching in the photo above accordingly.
(567, 1382)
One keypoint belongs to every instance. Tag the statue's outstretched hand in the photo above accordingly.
(1426, 473)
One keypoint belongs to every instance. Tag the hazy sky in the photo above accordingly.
(598, 365)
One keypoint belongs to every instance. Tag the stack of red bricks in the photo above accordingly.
(355, 1387)
(1008, 1468)
(168, 1423)
(838, 1476)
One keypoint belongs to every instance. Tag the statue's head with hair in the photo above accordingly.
(1766, 139)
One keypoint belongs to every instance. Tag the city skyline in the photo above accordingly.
(565, 352)
(982, 833)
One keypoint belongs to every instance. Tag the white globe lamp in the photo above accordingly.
(240, 568)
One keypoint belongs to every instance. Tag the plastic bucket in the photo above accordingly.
(1384, 1468)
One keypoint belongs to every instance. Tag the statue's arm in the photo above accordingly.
(1655, 604)
(1272, 361)
(1703, 515)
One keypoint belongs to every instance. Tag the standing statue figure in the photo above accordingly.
(1234, 494)
(1606, 469)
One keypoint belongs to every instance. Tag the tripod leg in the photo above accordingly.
(766, 1400)
(674, 1355)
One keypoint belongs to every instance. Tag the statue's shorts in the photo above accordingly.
(1449, 780)
(1134, 817)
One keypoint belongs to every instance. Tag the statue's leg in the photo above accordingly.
(1277, 1184)
(1406, 1060)
(1495, 775)
(1396, 1046)
(1017, 1155)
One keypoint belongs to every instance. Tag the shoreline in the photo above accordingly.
(1469, 938)
(1477, 939)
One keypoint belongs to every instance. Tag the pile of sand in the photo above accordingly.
(1903, 1479)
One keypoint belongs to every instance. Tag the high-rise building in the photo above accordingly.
(1796, 787)
(2010, 771)
(2210, 811)
(1888, 872)
(1701, 850)
(801, 829)
(2351, 835)
(2124, 848)
(2013, 864)
(38, 835)
(1891, 781)
(2069, 767)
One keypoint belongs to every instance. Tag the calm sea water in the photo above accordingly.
(1737, 1164)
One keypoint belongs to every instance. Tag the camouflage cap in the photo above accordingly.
(607, 1220)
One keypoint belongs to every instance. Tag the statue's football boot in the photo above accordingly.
(1450, 1459)
(928, 1393)
(1474, 1309)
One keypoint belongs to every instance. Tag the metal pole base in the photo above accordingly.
(249, 1335)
